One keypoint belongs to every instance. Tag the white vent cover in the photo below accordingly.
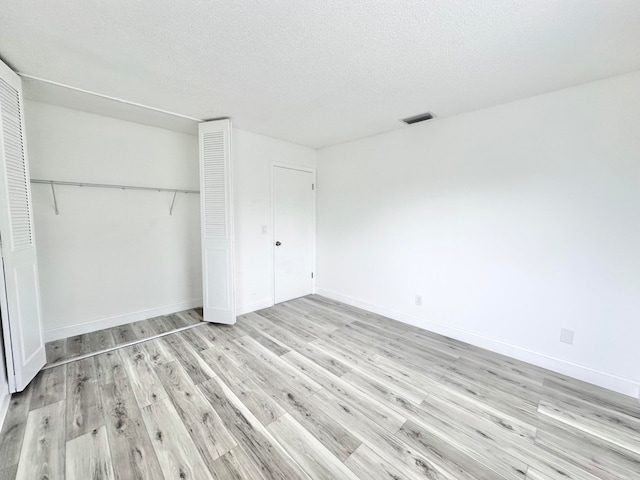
(214, 183)
(17, 182)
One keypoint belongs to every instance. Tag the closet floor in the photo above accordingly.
(314, 389)
(89, 343)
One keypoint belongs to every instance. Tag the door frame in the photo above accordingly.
(312, 171)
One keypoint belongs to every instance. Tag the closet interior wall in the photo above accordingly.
(112, 256)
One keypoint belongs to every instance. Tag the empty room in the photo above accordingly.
(320, 240)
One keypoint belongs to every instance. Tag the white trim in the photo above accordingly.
(108, 97)
(4, 407)
(312, 171)
(116, 320)
(612, 382)
(252, 307)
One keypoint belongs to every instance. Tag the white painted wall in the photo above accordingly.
(253, 155)
(512, 222)
(112, 256)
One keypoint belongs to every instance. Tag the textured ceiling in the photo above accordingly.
(319, 73)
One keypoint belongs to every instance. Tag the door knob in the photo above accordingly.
(278, 243)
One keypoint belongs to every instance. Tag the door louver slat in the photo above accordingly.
(18, 186)
(215, 214)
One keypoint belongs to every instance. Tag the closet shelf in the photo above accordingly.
(175, 191)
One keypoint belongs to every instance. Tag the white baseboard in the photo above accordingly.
(4, 406)
(252, 307)
(116, 320)
(580, 372)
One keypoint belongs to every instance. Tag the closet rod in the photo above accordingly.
(107, 185)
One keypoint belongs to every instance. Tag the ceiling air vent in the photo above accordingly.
(418, 118)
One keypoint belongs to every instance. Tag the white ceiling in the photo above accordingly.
(320, 72)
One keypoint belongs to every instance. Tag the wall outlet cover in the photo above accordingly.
(566, 336)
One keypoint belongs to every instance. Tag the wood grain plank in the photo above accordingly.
(101, 340)
(9, 473)
(197, 341)
(78, 345)
(88, 457)
(83, 399)
(264, 451)
(265, 409)
(626, 435)
(378, 412)
(56, 350)
(49, 387)
(124, 334)
(274, 373)
(236, 465)
(195, 366)
(598, 457)
(365, 463)
(411, 462)
(15, 422)
(203, 424)
(265, 340)
(132, 453)
(307, 451)
(145, 384)
(447, 459)
(42, 455)
(176, 452)
(158, 352)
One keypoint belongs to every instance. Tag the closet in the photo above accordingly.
(63, 202)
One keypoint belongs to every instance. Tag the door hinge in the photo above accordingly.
(313, 186)
(311, 274)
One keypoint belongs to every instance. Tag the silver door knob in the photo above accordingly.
(278, 243)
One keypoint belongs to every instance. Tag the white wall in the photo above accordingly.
(512, 222)
(112, 256)
(253, 155)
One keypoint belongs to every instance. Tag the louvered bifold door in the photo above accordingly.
(216, 200)
(20, 297)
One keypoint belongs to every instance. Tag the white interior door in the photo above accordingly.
(216, 201)
(294, 232)
(20, 290)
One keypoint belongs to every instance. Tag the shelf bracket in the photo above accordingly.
(55, 201)
(173, 202)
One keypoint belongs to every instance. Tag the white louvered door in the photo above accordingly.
(20, 291)
(216, 202)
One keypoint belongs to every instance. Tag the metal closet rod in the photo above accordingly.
(175, 191)
(107, 185)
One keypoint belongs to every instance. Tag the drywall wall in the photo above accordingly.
(253, 156)
(511, 222)
(112, 256)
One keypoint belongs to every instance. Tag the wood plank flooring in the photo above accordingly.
(59, 351)
(312, 389)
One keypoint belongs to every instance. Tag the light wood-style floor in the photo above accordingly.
(89, 343)
(314, 389)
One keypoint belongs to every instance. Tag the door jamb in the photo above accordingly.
(303, 168)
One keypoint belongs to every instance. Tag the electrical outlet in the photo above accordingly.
(566, 336)
(264, 229)
(419, 300)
